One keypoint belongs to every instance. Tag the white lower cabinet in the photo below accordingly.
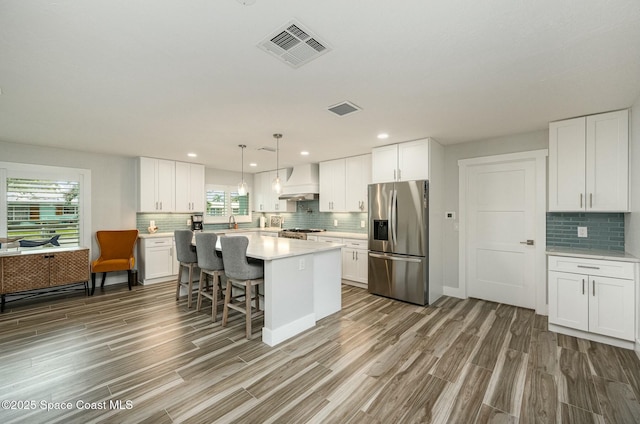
(354, 260)
(157, 262)
(583, 297)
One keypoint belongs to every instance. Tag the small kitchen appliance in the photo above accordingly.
(196, 223)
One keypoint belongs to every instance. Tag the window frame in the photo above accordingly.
(46, 172)
(227, 189)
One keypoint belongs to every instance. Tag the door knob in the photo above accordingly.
(528, 242)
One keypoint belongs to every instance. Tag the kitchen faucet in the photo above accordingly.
(232, 222)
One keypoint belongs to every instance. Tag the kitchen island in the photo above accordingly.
(301, 283)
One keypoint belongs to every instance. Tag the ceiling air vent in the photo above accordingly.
(344, 108)
(294, 44)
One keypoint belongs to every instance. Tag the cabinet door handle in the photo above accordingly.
(583, 286)
(580, 200)
(588, 267)
(399, 174)
(156, 205)
(594, 287)
(353, 256)
(591, 200)
(528, 242)
(356, 255)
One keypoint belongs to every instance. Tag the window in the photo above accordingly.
(224, 201)
(41, 202)
(41, 209)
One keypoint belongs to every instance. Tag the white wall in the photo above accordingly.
(632, 220)
(535, 140)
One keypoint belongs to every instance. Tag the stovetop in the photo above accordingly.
(304, 230)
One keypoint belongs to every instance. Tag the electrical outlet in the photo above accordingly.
(301, 265)
(362, 224)
(188, 222)
(449, 215)
(582, 232)
(335, 222)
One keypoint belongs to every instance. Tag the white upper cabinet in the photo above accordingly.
(343, 184)
(189, 187)
(588, 163)
(358, 177)
(265, 199)
(156, 185)
(332, 186)
(401, 162)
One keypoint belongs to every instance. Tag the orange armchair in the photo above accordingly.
(116, 254)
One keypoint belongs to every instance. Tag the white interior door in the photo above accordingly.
(500, 219)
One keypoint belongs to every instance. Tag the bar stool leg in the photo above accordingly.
(247, 290)
(215, 287)
(190, 286)
(179, 279)
(227, 299)
(203, 278)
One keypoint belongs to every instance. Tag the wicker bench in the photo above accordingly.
(40, 269)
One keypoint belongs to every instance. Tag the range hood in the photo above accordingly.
(303, 183)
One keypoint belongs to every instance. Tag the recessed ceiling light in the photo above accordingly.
(304, 153)
(253, 164)
(383, 136)
(192, 155)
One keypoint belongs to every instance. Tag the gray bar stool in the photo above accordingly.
(188, 258)
(241, 273)
(210, 263)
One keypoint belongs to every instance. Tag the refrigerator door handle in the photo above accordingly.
(394, 258)
(394, 216)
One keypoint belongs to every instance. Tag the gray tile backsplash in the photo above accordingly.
(306, 216)
(604, 230)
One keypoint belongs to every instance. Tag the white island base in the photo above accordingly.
(298, 291)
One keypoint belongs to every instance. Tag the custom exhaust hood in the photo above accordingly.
(303, 183)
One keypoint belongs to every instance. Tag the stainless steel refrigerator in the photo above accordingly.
(399, 240)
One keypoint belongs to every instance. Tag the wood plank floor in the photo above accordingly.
(376, 361)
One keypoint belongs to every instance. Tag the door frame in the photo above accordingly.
(540, 267)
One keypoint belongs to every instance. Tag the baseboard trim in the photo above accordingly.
(453, 292)
(626, 344)
(274, 336)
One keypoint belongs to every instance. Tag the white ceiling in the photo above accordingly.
(162, 78)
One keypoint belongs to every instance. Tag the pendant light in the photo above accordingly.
(277, 185)
(242, 186)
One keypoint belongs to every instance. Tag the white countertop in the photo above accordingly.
(592, 254)
(338, 234)
(220, 231)
(270, 248)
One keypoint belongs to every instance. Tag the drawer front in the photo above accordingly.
(330, 239)
(158, 242)
(356, 243)
(597, 267)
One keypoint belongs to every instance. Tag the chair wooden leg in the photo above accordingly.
(130, 275)
(190, 291)
(104, 277)
(178, 284)
(227, 299)
(203, 277)
(247, 302)
(215, 288)
(258, 298)
(93, 283)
